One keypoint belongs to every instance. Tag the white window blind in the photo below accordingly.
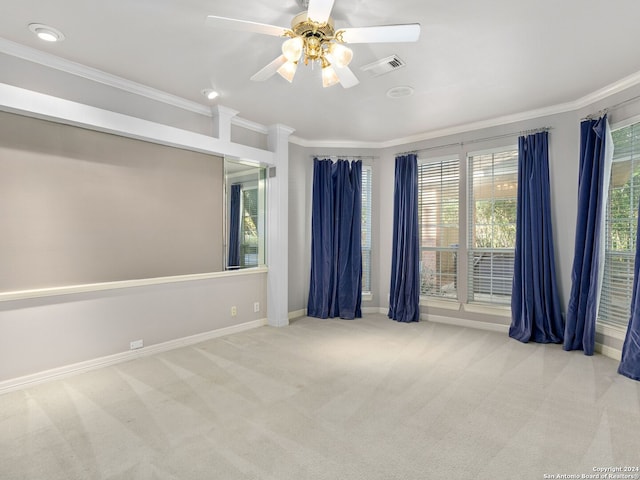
(493, 189)
(438, 218)
(366, 228)
(620, 228)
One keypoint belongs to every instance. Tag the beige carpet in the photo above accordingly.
(330, 399)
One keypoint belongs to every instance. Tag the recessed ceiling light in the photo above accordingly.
(46, 33)
(210, 93)
(398, 92)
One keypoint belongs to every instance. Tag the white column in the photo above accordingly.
(222, 122)
(278, 228)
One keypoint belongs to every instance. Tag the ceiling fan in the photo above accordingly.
(313, 38)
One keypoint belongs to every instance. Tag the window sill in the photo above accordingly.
(451, 304)
(367, 296)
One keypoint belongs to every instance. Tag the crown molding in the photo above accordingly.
(479, 125)
(46, 59)
(249, 125)
(95, 75)
(333, 143)
(582, 102)
(49, 60)
(607, 91)
(443, 132)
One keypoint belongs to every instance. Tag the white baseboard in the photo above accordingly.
(610, 352)
(459, 322)
(81, 367)
(303, 312)
(298, 313)
(605, 350)
(382, 311)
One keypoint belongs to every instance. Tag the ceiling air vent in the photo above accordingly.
(383, 66)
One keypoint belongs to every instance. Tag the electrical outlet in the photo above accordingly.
(234, 311)
(134, 345)
(256, 306)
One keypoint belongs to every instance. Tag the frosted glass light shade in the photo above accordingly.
(329, 76)
(341, 55)
(288, 71)
(292, 49)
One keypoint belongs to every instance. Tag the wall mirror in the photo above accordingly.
(245, 199)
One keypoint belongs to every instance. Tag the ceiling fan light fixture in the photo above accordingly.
(313, 50)
(288, 71)
(292, 49)
(341, 55)
(313, 39)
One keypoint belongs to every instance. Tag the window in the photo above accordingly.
(249, 228)
(366, 228)
(438, 206)
(493, 187)
(249, 216)
(620, 227)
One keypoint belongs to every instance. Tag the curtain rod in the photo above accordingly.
(604, 111)
(593, 116)
(478, 140)
(345, 157)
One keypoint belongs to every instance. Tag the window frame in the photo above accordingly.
(610, 315)
(367, 228)
(246, 248)
(499, 257)
(447, 296)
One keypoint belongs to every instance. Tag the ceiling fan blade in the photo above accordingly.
(270, 70)
(319, 10)
(409, 32)
(246, 26)
(346, 76)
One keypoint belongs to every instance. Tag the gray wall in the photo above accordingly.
(300, 180)
(248, 137)
(80, 207)
(44, 333)
(564, 150)
(50, 332)
(66, 166)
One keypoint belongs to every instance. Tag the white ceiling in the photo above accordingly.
(475, 60)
